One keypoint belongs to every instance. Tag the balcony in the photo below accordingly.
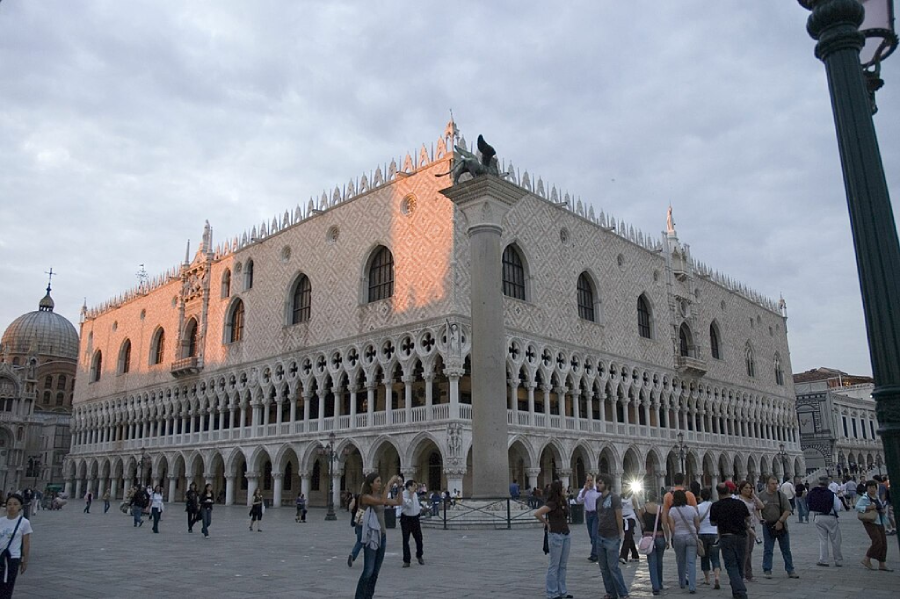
(186, 366)
(690, 365)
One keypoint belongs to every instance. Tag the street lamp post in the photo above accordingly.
(846, 52)
(783, 454)
(328, 450)
(143, 460)
(878, 463)
(682, 451)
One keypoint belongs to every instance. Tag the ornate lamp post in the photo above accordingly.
(848, 53)
(328, 450)
(783, 454)
(682, 450)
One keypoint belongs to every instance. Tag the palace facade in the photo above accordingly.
(335, 340)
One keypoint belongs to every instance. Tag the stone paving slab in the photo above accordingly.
(100, 556)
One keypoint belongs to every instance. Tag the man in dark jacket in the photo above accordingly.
(139, 501)
(731, 516)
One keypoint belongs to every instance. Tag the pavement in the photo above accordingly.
(97, 555)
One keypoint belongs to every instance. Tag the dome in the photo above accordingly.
(42, 331)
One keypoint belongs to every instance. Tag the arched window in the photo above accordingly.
(234, 325)
(189, 341)
(643, 317)
(48, 382)
(779, 371)
(248, 275)
(158, 347)
(60, 399)
(300, 300)
(125, 357)
(61, 383)
(513, 273)
(685, 345)
(96, 366)
(381, 275)
(226, 283)
(46, 398)
(585, 298)
(714, 342)
(751, 365)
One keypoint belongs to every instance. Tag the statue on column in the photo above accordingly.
(465, 161)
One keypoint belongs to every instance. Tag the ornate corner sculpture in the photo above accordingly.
(465, 161)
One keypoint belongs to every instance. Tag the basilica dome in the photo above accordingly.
(42, 332)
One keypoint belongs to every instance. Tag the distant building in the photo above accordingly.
(838, 426)
(347, 321)
(38, 360)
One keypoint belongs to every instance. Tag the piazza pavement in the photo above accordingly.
(97, 555)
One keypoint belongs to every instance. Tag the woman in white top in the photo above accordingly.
(746, 494)
(156, 507)
(15, 533)
(709, 535)
(685, 526)
(629, 515)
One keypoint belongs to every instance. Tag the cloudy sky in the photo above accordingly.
(124, 125)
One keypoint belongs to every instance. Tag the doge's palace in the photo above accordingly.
(346, 323)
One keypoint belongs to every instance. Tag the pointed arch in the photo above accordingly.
(644, 317)
(158, 346)
(515, 273)
(715, 341)
(379, 275)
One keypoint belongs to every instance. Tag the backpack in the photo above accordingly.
(820, 500)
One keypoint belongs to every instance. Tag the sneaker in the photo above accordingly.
(593, 558)
(622, 560)
(767, 574)
(823, 564)
(793, 575)
(421, 561)
(406, 564)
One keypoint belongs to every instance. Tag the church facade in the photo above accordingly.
(335, 339)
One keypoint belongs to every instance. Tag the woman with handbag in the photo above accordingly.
(156, 507)
(554, 515)
(373, 497)
(709, 537)
(873, 514)
(685, 526)
(653, 543)
(356, 521)
(15, 538)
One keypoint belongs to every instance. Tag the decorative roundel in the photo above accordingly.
(286, 253)
(408, 205)
(331, 236)
(564, 235)
(620, 260)
(238, 267)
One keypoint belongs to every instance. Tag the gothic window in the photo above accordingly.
(300, 300)
(96, 366)
(234, 326)
(684, 340)
(189, 343)
(248, 275)
(61, 383)
(125, 357)
(751, 365)
(381, 275)
(714, 342)
(158, 347)
(585, 298)
(779, 371)
(643, 317)
(226, 283)
(513, 273)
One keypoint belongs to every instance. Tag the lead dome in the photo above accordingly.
(43, 332)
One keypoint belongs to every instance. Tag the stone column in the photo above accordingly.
(307, 397)
(388, 398)
(565, 474)
(304, 483)
(532, 474)
(126, 486)
(485, 200)
(530, 386)
(353, 407)
(78, 493)
(546, 389)
(407, 396)
(453, 376)
(229, 490)
(101, 486)
(252, 482)
(293, 401)
(370, 404)
(173, 481)
(113, 488)
(429, 395)
(617, 481)
(277, 486)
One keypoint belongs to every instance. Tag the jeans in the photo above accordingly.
(137, 513)
(155, 513)
(802, 509)
(192, 516)
(590, 519)
(711, 559)
(608, 558)
(87, 508)
(410, 525)
(6, 588)
(357, 547)
(686, 558)
(655, 561)
(365, 588)
(105, 506)
(559, 556)
(784, 544)
(206, 516)
(734, 548)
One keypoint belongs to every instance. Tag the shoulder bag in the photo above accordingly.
(870, 516)
(647, 542)
(701, 549)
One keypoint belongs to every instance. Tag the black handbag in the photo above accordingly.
(546, 542)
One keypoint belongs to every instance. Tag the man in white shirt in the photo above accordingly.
(787, 488)
(587, 496)
(409, 523)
